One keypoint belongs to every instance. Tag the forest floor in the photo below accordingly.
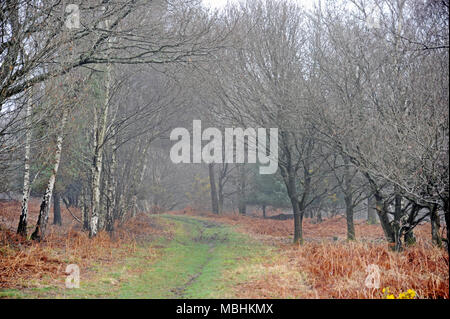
(184, 254)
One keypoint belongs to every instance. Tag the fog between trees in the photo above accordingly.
(357, 89)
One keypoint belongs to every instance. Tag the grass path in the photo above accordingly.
(198, 262)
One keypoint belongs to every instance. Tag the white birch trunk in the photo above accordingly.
(111, 190)
(98, 156)
(39, 232)
(22, 228)
(140, 179)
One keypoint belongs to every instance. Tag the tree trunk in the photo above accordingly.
(103, 196)
(349, 216)
(84, 209)
(139, 177)
(299, 209)
(435, 226)
(220, 200)
(384, 218)
(120, 207)
(111, 192)
(119, 212)
(371, 211)
(408, 230)
(409, 237)
(212, 182)
(57, 220)
(288, 170)
(381, 210)
(133, 206)
(39, 232)
(348, 196)
(297, 206)
(99, 137)
(242, 207)
(241, 194)
(446, 208)
(397, 222)
(95, 186)
(22, 228)
(319, 216)
(298, 221)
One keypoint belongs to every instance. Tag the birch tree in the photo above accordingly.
(41, 225)
(22, 228)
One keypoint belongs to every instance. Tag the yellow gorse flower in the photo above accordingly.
(409, 294)
(412, 293)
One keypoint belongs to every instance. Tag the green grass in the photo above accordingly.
(193, 264)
